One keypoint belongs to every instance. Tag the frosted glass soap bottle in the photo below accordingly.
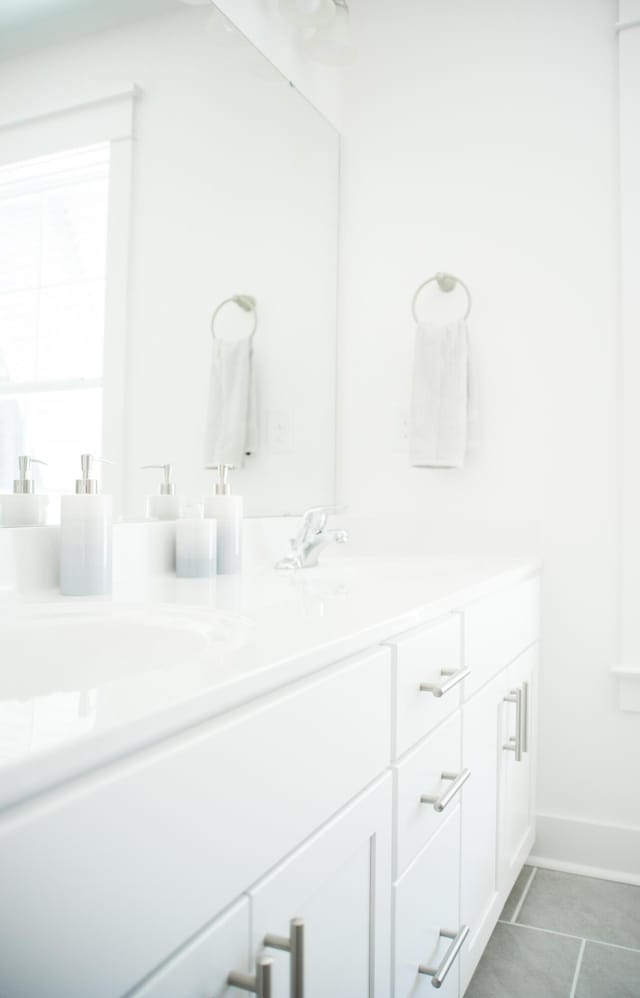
(86, 526)
(226, 510)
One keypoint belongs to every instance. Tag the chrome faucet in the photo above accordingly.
(312, 537)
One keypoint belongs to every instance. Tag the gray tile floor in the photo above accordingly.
(563, 936)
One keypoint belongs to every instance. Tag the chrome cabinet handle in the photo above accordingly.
(261, 985)
(439, 803)
(515, 742)
(525, 717)
(438, 974)
(439, 689)
(294, 945)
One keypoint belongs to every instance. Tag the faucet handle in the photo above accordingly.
(316, 517)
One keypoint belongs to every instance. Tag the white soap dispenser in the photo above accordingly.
(22, 507)
(85, 536)
(226, 509)
(165, 505)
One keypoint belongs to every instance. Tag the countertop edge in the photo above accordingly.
(38, 777)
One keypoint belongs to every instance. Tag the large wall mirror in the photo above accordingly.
(153, 164)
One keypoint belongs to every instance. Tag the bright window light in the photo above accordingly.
(53, 242)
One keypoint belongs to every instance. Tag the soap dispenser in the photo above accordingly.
(226, 509)
(85, 536)
(22, 507)
(165, 505)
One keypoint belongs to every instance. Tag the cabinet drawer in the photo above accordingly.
(202, 967)
(104, 879)
(420, 774)
(426, 902)
(497, 629)
(421, 657)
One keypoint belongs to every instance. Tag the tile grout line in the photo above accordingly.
(524, 895)
(576, 975)
(568, 935)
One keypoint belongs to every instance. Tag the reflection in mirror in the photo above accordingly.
(154, 165)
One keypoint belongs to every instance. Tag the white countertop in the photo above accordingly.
(291, 625)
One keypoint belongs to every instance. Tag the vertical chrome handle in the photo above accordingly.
(261, 985)
(294, 945)
(439, 689)
(439, 803)
(525, 717)
(438, 974)
(515, 742)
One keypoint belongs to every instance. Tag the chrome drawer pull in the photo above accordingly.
(515, 742)
(439, 803)
(438, 974)
(261, 985)
(294, 945)
(439, 689)
(525, 717)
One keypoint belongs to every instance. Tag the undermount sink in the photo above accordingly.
(55, 648)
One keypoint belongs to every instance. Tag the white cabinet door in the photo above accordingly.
(338, 884)
(481, 753)
(517, 778)
(202, 967)
(426, 904)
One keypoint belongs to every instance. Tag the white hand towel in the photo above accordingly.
(439, 401)
(231, 430)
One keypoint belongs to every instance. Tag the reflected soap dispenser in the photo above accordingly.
(165, 505)
(23, 507)
(226, 509)
(85, 536)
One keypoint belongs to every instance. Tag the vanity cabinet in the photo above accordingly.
(336, 891)
(202, 966)
(426, 904)
(517, 769)
(480, 889)
(359, 829)
(338, 884)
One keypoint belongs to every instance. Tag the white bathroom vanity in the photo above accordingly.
(321, 781)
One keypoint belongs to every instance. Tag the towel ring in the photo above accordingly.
(246, 302)
(446, 283)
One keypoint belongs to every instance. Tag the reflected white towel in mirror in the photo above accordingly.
(231, 428)
(439, 411)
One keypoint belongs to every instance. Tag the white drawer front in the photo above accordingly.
(202, 967)
(421, 658)
(497, 629)
(420, 774)
(101, 881)
(426, 902)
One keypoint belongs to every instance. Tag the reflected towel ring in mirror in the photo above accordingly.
(446, 283)
(246, 302)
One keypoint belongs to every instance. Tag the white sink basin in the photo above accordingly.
(54, 648)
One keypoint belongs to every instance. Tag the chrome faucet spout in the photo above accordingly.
(312, 537)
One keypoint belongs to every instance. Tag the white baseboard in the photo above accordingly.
(571, 845)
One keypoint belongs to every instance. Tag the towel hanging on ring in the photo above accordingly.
(439, 413)
(231, 426)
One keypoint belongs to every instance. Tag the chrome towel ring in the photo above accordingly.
(246, 302)
(446, 283)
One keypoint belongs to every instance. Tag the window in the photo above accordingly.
(53, 241)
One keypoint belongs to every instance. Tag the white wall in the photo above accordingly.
(629, 69)
(481, 139)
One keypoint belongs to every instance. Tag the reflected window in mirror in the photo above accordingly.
(53, 239)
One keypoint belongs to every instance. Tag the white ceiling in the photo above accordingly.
(28, 24)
